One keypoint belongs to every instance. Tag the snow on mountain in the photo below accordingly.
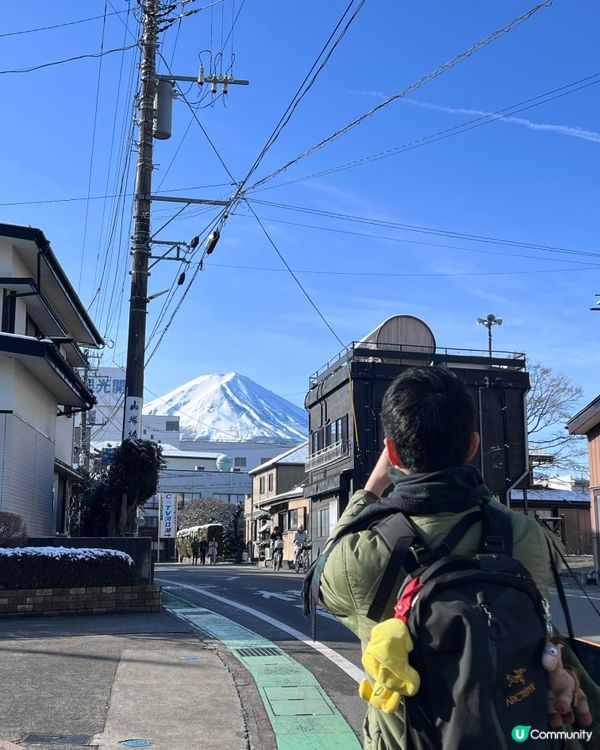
(231, 407)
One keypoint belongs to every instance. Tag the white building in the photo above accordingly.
(42, 325)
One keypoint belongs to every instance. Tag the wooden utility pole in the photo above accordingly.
(134, 378)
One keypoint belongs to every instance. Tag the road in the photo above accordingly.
(242, 593)
(267, 603)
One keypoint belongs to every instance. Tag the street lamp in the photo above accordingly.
(488, 322)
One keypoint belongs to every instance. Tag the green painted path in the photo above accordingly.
(302, 715)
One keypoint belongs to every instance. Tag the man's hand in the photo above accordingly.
(379, 480)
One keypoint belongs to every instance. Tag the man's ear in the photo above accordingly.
(473, 446)
(393, 455)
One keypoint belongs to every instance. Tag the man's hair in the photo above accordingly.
(429, 416)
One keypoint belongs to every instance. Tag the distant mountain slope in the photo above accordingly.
(231, 407)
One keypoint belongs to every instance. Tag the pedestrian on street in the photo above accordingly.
(195, 549)
(203, 548)
(212, 551)
(429, 426)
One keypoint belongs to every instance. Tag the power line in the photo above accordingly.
(62, 25)
(427, 230)
(67, 60)
(111, 195)
(386, 274)
(306, 84)
(420, 243)
(219, 220)
(409, 89)
(95, 121)
(440, 135)
(293, 275)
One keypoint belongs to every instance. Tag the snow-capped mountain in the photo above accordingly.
(231, 407)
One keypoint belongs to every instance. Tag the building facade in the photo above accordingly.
(587, 422)
(43, 324)
(277, 500)
(344, 406)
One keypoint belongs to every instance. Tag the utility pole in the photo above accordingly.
(134, 376)
(157, 93)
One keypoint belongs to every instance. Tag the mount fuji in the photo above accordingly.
(231, 407)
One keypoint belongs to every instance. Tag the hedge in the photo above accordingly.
(64, 567)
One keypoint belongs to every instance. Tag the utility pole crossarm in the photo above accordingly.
(179, 199)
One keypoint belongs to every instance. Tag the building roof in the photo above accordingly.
(296, 491)
(585, 420)
(50, 284)
(546, 494)
(298, 455)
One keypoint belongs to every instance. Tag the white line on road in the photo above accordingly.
(340, 661)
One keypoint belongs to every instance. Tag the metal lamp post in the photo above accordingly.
(488, 322)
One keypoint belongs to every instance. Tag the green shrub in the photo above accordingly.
(62, 567)
(13, 532)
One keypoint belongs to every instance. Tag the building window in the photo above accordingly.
(322, 522)
(171, 426)
(264, 460)
(270, 481)
(9, 307)
(239, 461)
(296, 518)
(261, 485)
(283, 522)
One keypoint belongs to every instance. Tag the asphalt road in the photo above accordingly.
(233, 591)
(276, 595)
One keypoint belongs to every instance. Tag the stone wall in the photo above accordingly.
(79, 601)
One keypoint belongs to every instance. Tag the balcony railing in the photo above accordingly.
(328, 455)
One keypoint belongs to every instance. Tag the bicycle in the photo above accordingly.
(302, 559)
(277, 559)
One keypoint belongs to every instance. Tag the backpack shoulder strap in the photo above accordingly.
(497, 532)
(400, 535)
(367, 518)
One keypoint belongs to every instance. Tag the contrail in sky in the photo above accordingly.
(568, 130)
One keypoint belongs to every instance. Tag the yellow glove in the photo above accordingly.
(386, 661)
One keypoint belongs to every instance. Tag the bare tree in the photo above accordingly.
(551, 402)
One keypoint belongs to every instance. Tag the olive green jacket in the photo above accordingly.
(354, 569)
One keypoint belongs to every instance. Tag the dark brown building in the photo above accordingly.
(344, 404)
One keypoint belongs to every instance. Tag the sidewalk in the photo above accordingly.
(96, 681)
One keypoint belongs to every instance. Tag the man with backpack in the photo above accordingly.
(479, 644)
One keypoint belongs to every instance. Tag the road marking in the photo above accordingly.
(274, 595)
(231, 578)
(301, 713)
(340, 661)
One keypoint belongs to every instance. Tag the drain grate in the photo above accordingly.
(57, 739)
(258, 651)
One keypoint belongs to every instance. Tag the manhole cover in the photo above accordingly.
(258, 651)
(57, 739)
(136, 743)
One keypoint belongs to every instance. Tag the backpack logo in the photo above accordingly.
(516, 676)
(520, 733)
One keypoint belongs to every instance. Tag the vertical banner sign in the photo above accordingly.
(167, 516)
(133, 417)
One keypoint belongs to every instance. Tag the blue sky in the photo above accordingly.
(530, 178)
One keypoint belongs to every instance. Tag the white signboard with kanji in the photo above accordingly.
(133, 417)
(167, 515)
